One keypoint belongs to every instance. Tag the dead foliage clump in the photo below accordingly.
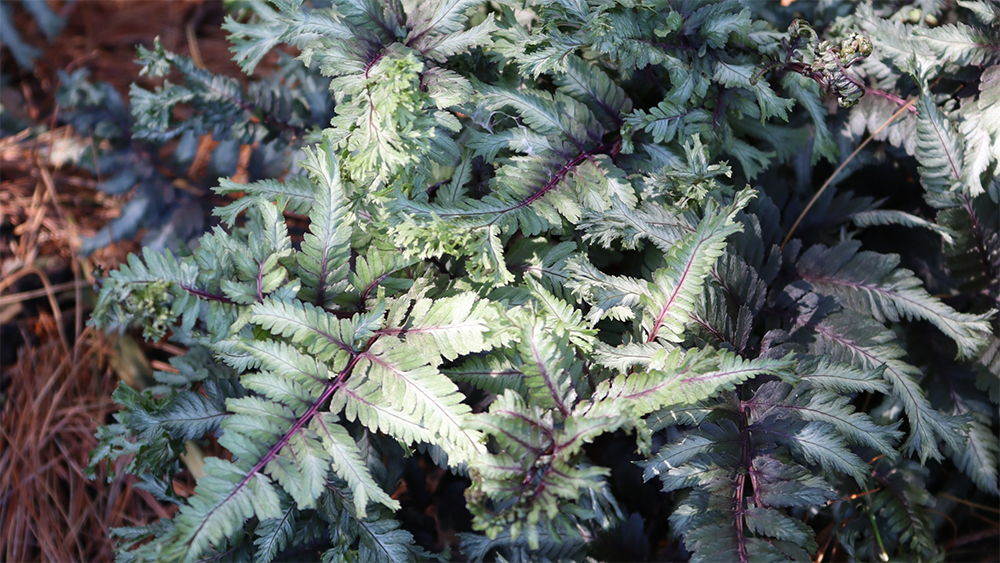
(102, 37)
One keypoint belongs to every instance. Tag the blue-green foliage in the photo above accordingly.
(48, 22)
(273, 116)
(523, 249)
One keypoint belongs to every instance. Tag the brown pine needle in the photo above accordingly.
(35, 293)
(970, 503)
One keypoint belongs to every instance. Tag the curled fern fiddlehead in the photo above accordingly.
(827, 63)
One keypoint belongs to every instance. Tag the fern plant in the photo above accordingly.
(527, 260)
(141, 150)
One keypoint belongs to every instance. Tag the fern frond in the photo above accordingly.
(867, 345)
(448, 327)
(439, 29)
(674, 290)
(534, 201)
(298, 194)
(962, 44)
(741, 76)
(325, 249)
(362, 400)
(875, 217)
(939, 150)
(649, 221)
(494, 373)
(274, 535)
(871, 283)
(315, 330)
(225, 498)
(609, 296)
(538, 465)
(592, 86)
(675, 379)
(348, 465)
(835, 410)
(412, 385)
(987, 13)
(827, 374)
(550, 369)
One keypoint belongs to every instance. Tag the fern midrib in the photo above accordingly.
(526, 267)
(403, 331)
(547, 187)
(596, 97)
(568, 441)
(195, 291)
(500, 430)
(551, 120)
(281, 443)
(323, 272)
(719, 336)
(963, 44)
(790, 438)
(677, 289)
(676, 379)
(544, 372)
(873, 360)
(696, 446)
(379, 408)
(182, 419)
(295, 321)
(368, 289)
(430, 27)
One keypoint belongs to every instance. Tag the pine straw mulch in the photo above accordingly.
(56, 374)
(56, 380)
(50, 510)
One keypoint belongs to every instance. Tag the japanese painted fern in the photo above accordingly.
(524, 247)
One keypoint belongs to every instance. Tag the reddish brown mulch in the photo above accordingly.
(56, 375)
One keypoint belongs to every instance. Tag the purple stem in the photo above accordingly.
(305, 418)
(260, 281)
(891, 97)
(206, 295)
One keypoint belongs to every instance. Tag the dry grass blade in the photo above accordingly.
(24, 296)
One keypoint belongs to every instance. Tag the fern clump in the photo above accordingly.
(539, 235)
